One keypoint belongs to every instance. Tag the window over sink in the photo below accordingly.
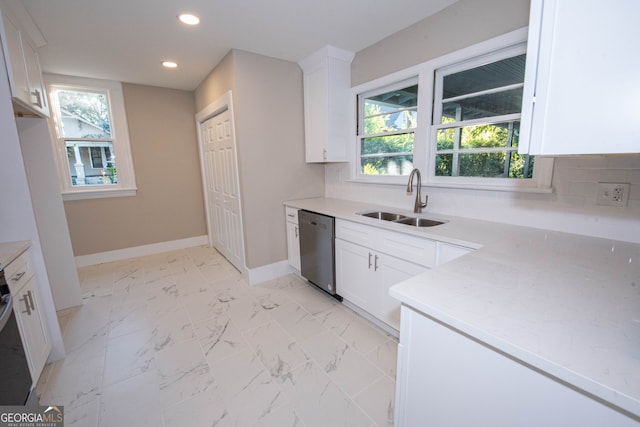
(90, 137)
(460, 126)
(386, 129)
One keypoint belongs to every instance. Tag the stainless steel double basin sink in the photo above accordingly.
(401, 219)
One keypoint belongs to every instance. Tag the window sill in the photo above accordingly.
(99, 194)
(482, 187)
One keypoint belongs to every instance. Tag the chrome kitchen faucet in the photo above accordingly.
(417, 207)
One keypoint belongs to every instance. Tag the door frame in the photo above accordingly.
(225, 102)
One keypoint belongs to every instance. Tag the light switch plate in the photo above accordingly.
(612, 194)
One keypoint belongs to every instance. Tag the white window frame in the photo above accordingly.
(424, 142)
(126, 185)
(360, 135)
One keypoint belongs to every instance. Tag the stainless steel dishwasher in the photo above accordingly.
(317, 249)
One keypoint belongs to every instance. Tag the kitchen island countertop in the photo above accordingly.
(566, 304)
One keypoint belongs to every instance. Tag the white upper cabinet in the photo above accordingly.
(582, 81)
(327, 80)
(23, 64)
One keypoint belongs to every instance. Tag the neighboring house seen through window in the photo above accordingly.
(91, 133)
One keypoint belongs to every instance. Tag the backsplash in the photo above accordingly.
(575, 179)
(571, 207)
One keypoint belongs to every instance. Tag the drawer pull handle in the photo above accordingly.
(18, 276)
(296, 228)
(26, 305)
(30, 295)
(375, 264)
(370, 260)
(36, 98)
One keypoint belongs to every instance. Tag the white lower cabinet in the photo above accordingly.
(446, 378)
(27, 308)
(293, 238)
(391, 271)
(364, 274)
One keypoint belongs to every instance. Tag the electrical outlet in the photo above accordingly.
(612, 194)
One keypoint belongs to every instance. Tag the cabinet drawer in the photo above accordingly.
(410, 248)
(360, 234)
(292, 214)
(18, 272)
(419, 250)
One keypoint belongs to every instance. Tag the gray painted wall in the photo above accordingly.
(267, 100)
(460, 25)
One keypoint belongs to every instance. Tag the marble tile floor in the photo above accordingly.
(180, 339)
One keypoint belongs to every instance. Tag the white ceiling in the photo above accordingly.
(126, 40)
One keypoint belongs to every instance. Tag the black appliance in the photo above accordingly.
(15, 381)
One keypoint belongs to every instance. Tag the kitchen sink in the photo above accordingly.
(401, 219)
(420, 222)
(386, 216)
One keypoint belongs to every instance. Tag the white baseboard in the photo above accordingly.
(268, 272)
(154, 248)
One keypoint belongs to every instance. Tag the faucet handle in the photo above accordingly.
(426, 200)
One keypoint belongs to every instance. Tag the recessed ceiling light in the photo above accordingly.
(189, 19)
(169, 64)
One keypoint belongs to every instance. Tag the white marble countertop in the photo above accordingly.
(566, 304)
(12, 250)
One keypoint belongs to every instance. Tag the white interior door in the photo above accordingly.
(220, 170)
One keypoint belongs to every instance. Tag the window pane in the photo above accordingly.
(480, 136)
(444, 164)
(84, 115)
(488, 105)
(488, 165)
(445, 138)
(387, 165)
(391, 101)
(84, 162)
(521, 166)
(388, 120)
(402, 143)
(482, 164)
(496, 74)
(493, 165)
(381, 123)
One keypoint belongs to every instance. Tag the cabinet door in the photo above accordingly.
(355, 280)
(293, 245)
(316, 114)
(12, 45)
(34, 332)
(327, 80)
(390, 271)
(582, 79)
(37, 98)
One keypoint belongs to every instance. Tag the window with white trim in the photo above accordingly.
(386, 129)
(476, 117)
(466, 121)
(90, 137)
